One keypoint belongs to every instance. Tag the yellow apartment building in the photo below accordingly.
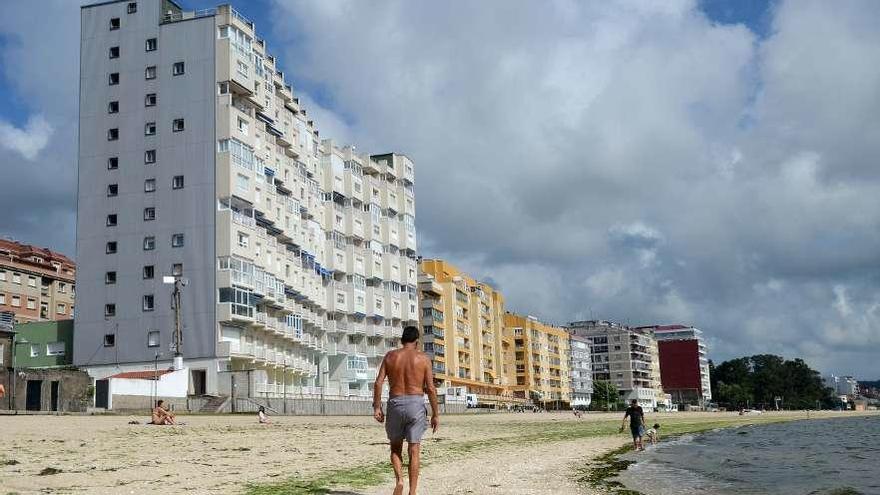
(540, 361)
(462, 322)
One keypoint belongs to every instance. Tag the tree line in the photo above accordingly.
(766, 381)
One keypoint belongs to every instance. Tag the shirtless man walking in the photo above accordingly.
(409, 378)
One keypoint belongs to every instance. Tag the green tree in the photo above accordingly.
(605, 396)
(758, 380)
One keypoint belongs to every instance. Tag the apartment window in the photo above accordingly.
(242, 69)
(31, 303)
(150, 129)
(113, 107)
(148, 302)
(153, 338)
(150, 72)
(2, 301)
(113, 80)
(61, 308)
(177, 240)
(242, 183)
(32, 281)
(35, 350)
(16, 301)
(149, 272)
(243, 240)
(149, 243)
(2, 275)
(111, 220)
(177, 269)
(243, 125)
(114, 24)
(150, 100)
(112, 163)
(223, 88)
(110, 278)
(178, 69)
(177, 182)
(149, 214)
(111, 247)
(150, 185)
(132, 7)
(110, 338)
(152, 44)
(109, 310)
(150, 156)
(112, 190)
(114, 52)
(177, 125)
(16, 278)
(55, 348)
(112, 134)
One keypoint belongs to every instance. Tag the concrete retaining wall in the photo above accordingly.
(293, 407)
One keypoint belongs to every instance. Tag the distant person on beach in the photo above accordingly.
(162, 416)
(2, 391)
(261, 415)
(654, 434)
(636, 423)
(409, 378)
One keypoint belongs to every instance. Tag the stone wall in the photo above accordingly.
(73, 389)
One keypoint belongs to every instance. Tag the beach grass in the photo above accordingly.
(598, 473)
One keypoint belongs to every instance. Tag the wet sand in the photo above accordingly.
(481, 453)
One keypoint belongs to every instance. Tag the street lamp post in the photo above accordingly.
(178, 283)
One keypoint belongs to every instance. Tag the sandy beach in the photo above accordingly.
(479, 453)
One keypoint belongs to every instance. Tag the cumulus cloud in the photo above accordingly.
(29, 141)
(628, 160)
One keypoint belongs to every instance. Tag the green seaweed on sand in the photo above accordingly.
(600, 472)
(358, 477)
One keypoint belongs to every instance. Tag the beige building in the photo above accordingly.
(626, 357)
(463, 332)
(36, 284)
(541, 358)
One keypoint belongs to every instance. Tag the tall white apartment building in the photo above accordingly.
(196, 161)
(624, 356)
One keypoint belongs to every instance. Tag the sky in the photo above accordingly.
(711, 163)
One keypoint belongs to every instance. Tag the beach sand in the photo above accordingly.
(476, 453)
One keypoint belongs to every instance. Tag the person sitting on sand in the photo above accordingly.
(261, 415)
(636, 423)
(161, 416)
(654, 434)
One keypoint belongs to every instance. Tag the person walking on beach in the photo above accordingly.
(636, 423)
(409, 378)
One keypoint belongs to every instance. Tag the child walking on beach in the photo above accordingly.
(654, 434)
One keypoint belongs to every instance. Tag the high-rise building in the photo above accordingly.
(198, 163)
(684, 365)
(625, 357)
(36, 284)
(581, 372)
(541, 358)
(463, 332)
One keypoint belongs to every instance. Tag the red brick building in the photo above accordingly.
(36, 284)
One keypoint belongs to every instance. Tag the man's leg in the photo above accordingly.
(397, 465)
(415, 451)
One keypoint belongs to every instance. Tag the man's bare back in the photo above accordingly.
(407, 370)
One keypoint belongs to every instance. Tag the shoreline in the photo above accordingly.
(601, 472)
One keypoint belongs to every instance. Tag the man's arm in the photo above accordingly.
(377, 393)
(431, 390)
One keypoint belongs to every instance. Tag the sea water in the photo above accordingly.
(828, 456)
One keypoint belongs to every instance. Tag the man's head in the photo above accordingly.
(410, 335)
(634, 402)
(159, 403)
